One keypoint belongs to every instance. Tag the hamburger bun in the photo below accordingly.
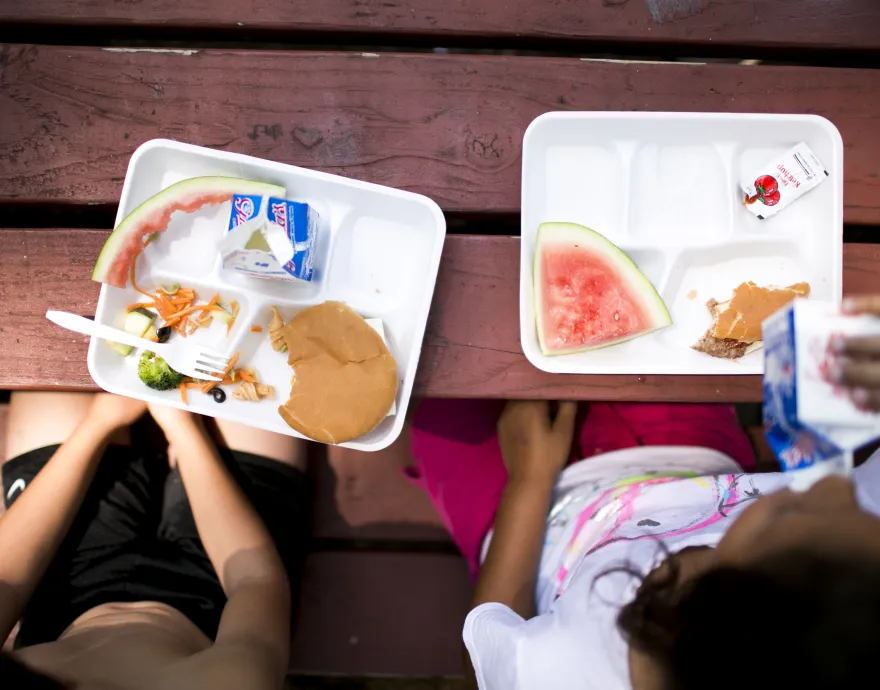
(344, 377)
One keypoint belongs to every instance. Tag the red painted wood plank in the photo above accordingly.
(446, 126)
(854, 24)
(364, 496)
(381, 613)
(471, 346)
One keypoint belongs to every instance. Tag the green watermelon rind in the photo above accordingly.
(649, 298)
(207, 185)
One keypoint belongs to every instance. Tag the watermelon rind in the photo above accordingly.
(638, 284)
(192, 188)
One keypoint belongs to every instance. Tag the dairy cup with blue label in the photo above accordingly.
(812, 423)
(271, 238)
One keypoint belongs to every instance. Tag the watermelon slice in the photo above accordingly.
(588, 293)
(154, 215)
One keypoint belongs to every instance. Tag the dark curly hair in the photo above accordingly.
(796, 620)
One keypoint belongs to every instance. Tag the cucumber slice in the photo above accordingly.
(137, 321)
(120, 349)
(170, 289)
(222, 316)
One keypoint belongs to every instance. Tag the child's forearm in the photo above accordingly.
(35, 525)
(235, 538)
(510, 572)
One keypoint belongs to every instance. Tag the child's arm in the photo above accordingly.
(35, 525)
(535, 449)
(254, 630)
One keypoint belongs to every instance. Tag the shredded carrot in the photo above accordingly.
(139, 305)
(164, 305)
(246, 376)
(131, 276)
(175, 309)
(207, 309)
(183, 393)
(256, 328)
(208, 386)
(183, 312)
(194, 384)
(232, 361)
(231, 323)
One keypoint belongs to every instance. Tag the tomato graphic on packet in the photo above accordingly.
(767, 191)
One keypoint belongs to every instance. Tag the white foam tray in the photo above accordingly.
(664, 188)
(378, 251)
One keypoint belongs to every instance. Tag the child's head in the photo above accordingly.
(790, 598)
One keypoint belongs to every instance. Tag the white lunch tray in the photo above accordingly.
(664, 187)
(378, 250)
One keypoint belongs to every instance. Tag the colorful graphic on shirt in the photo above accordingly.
(609, 518)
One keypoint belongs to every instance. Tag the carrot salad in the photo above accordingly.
(180, 309)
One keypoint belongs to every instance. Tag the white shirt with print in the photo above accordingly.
(630, 507)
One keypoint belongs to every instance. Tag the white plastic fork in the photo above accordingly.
(189, 359)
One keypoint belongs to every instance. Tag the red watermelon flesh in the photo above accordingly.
(127, 239)
(588, 293)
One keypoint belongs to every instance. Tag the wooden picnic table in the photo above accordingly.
(355, 87)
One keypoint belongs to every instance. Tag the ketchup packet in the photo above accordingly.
(812, 424)
(782, 181)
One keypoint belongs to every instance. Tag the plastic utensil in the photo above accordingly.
(188, 358)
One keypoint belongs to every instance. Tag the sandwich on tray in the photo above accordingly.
(736, 327)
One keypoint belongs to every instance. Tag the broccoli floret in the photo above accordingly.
(155, 372)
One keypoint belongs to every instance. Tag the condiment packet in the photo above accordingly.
(812, 424)
(270, 238)
(781, 181)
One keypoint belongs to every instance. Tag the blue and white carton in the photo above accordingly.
(811, 423)
(270, 238)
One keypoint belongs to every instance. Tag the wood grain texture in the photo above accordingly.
(365, 497)
(851, 24)
(381, 613)
(471, 348)
(449, 127)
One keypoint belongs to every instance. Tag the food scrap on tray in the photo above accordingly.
(736, 329)
(253, 391)
(276, 324)
(344, 377)
(589, 293)
(134, 232)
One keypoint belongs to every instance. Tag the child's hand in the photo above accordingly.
(112, 412)
(859, 365)
(173, 421)
(534, 447)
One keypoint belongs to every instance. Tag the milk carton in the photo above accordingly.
(811, 423)
(270, 238)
